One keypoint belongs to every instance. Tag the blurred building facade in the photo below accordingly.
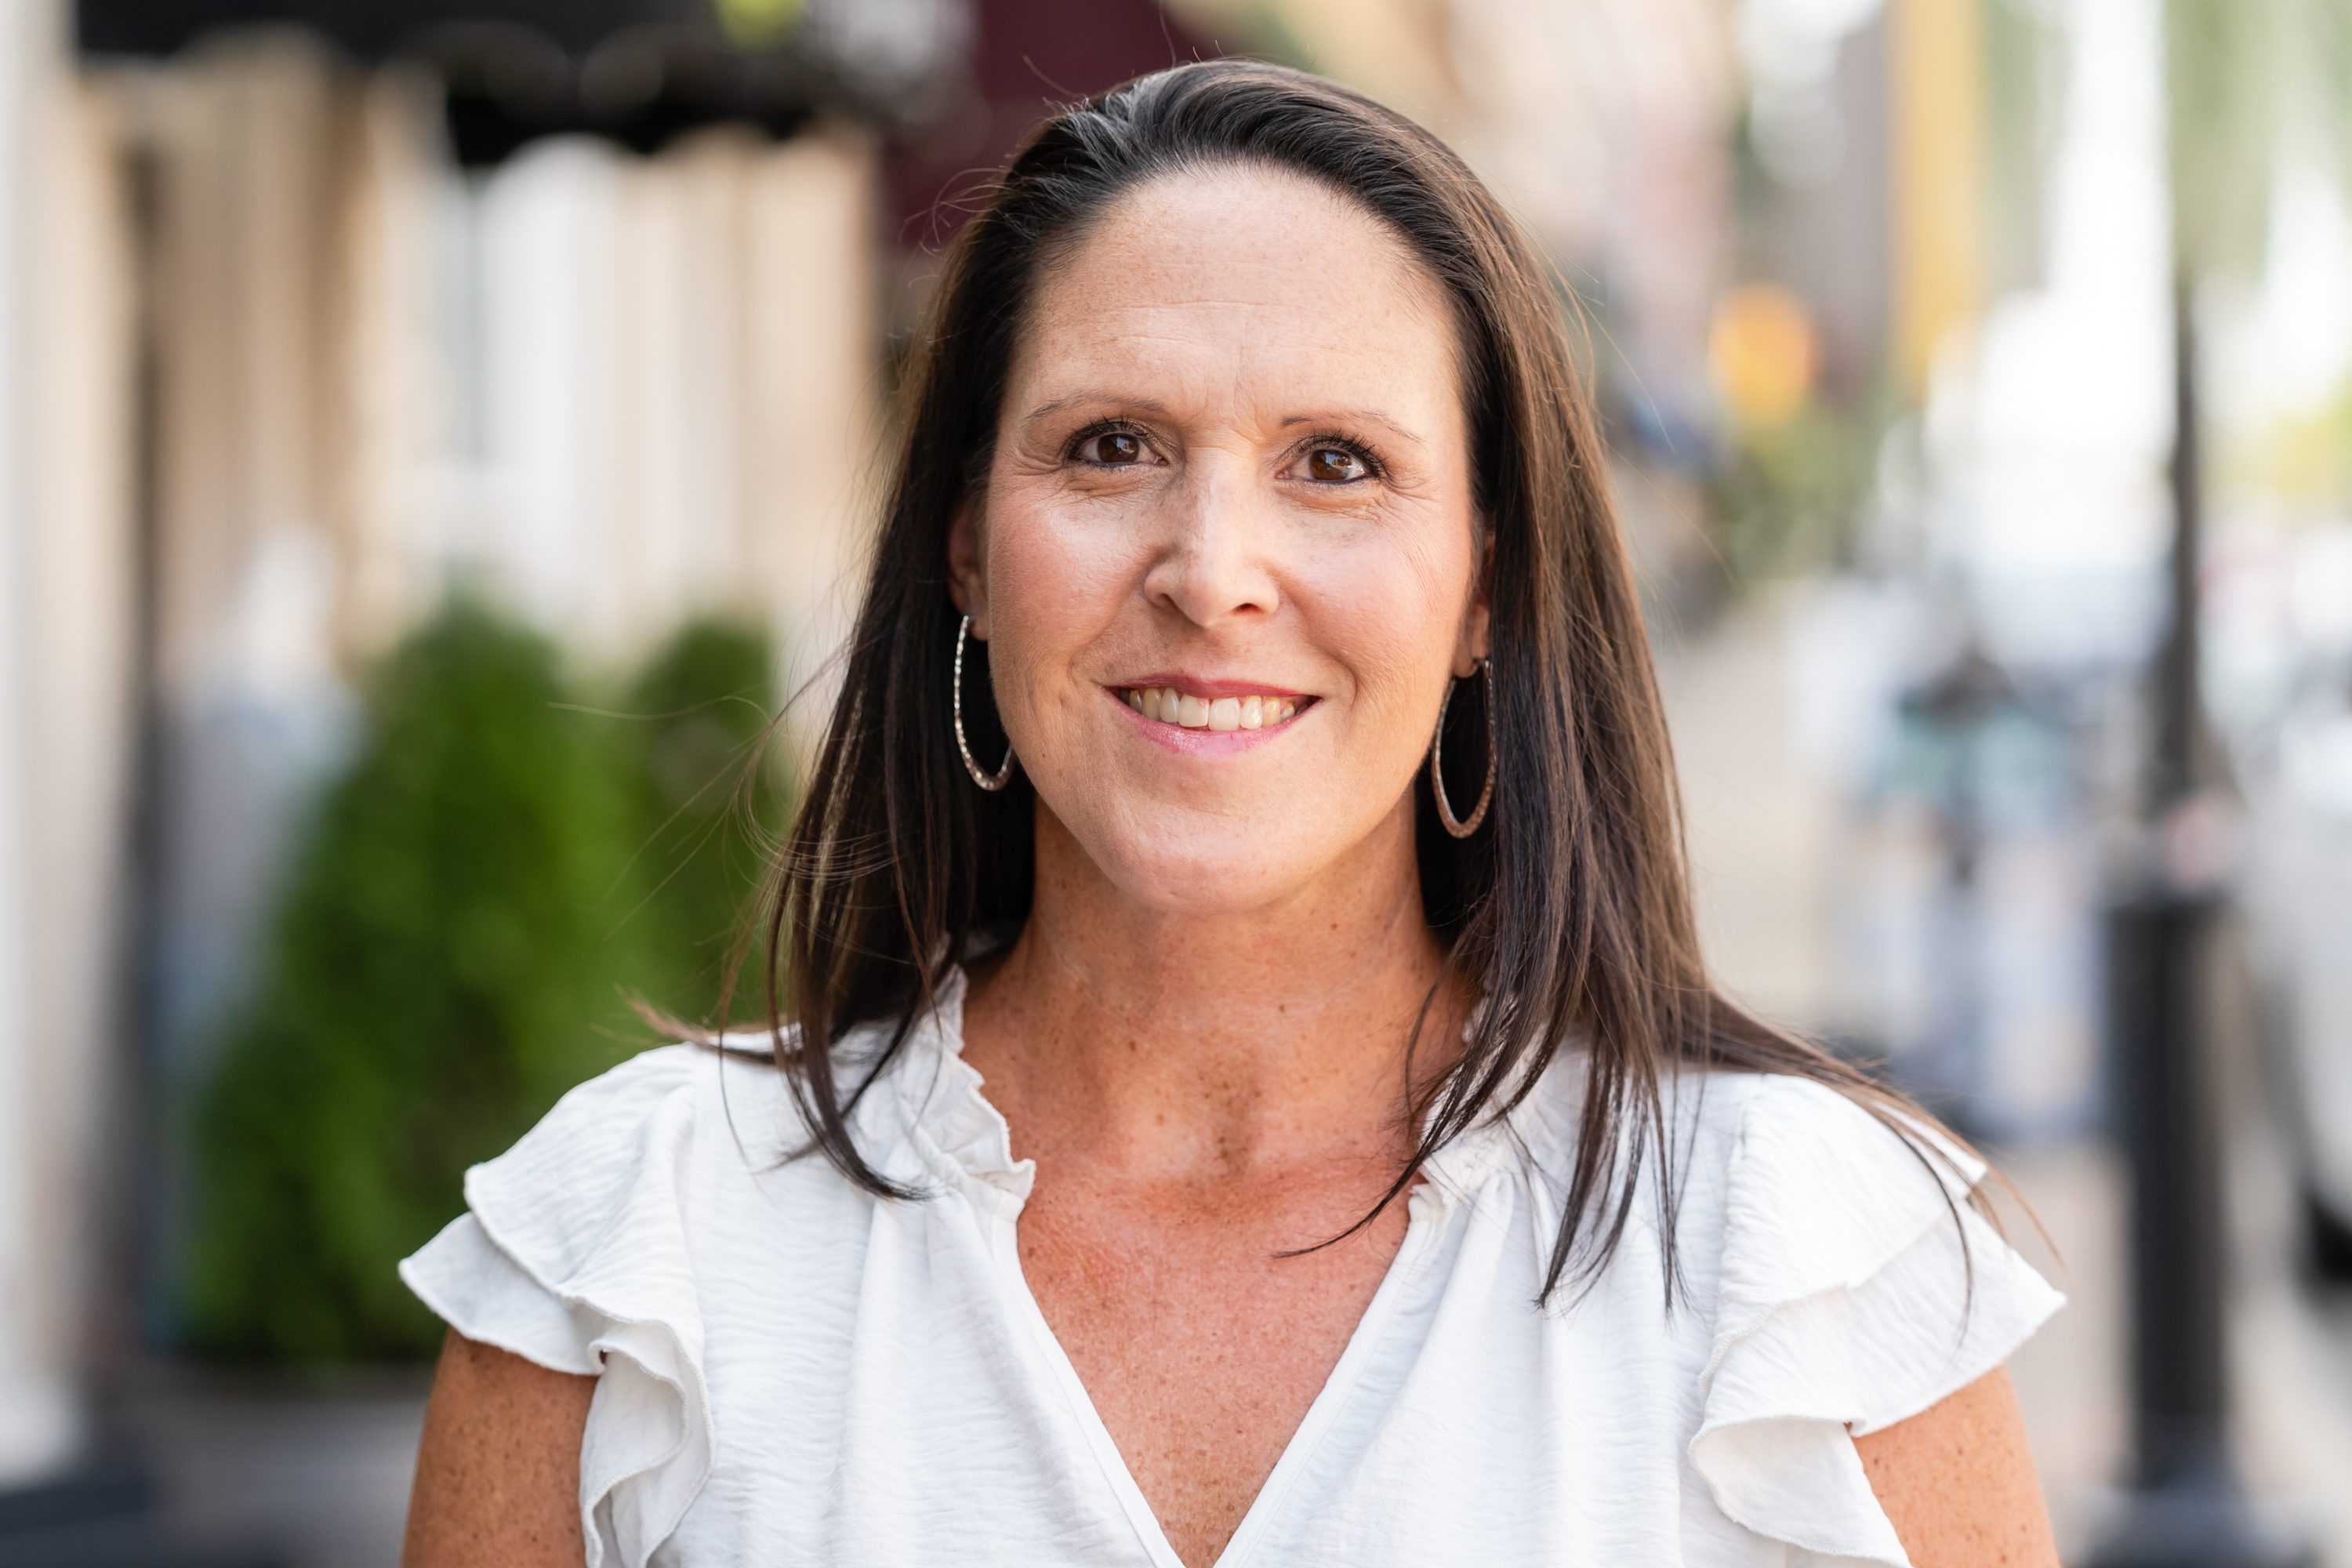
(280, 373)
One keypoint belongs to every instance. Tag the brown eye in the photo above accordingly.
(1112, 449)
(1335, 465)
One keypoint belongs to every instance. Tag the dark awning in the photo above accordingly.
(638, 72)
(375, 29)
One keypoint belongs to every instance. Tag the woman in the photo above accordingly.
(1249, 765)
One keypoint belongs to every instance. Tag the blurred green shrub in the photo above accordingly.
(498, 870)
(706, 819)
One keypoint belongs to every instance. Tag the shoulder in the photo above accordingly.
(652, 1129)
(1846, 1238)
(1795, 1186)
(612, 1119)
(633, 1192)
(1849, 1283)
(649, 1199)
(593, 1203)
(1766, 1110)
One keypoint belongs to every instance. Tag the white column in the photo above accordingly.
(39, 1424)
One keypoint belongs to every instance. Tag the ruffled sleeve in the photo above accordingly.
(1857, 1288)
(574, 1253)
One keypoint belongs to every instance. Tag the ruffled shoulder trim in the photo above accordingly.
(574, 1254)
(1857, 1288)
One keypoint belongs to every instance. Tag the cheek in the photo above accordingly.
(1392, 614)
(1055, 582)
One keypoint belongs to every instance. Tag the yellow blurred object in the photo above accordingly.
(1938, 93)
(757, 23)
(1393, 49)
(1763, 353)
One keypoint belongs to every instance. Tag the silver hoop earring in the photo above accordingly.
(1003, 775)
(1461, 827)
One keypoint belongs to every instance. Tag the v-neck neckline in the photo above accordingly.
(966, 1139)
(1298, 1452)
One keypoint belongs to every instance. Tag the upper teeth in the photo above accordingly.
(1172, 707)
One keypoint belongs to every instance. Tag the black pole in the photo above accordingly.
(2186, 1508)
(2174, 777)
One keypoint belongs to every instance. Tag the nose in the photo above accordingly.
(1212, 560)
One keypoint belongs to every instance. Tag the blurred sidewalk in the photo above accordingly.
(2292, 1351)
(315, 1472)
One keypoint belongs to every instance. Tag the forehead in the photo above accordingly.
(1239, 281)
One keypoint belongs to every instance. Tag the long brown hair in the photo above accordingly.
(1570, 913)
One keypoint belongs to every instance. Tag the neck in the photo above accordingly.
(1178, 1045)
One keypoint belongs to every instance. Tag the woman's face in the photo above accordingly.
(1226, 560)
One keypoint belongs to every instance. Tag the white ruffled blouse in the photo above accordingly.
(791, 1371)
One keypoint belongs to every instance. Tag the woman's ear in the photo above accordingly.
(1476, 641)
(966, 582)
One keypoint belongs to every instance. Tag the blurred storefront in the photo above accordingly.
(287, 359)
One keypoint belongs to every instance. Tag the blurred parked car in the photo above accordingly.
(2299, 893)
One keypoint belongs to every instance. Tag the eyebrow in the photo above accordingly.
(1146, 406)
(1363, 416)
(1142, 405)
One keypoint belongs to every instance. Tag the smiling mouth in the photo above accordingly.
(1166, 705)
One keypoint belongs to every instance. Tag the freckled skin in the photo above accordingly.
(1958, 1482)
(1201, 1034)
(498, 1477)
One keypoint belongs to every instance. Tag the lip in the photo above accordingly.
(1209, 691)
(1186, 743)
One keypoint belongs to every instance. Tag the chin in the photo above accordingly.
(1220, 878)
